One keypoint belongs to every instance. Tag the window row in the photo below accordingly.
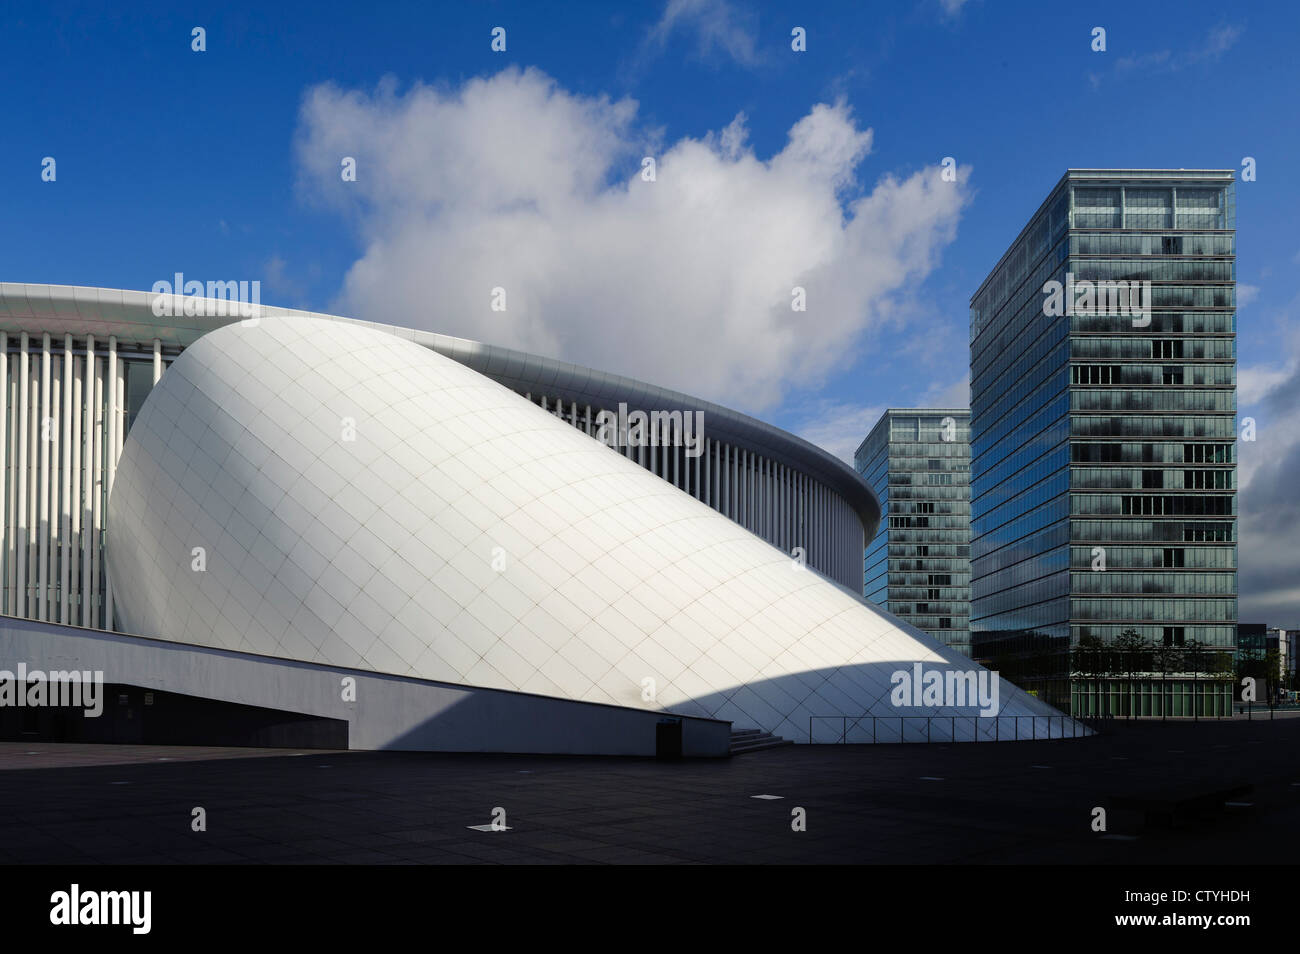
(1087, 452)
(1131, 478)
(1153, 505)
(1183, 584)
(1151, 531)
(1131, 347)
(1102, 243)
(1135, 426)
(1161, 610)
(1180, 399)
(1153, 270)
(1141, 558)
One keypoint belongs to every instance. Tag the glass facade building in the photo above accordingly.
(917, 566)
(1103, 467)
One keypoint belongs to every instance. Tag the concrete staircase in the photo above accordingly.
(752, 740)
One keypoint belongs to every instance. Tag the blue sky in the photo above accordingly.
(217, 164)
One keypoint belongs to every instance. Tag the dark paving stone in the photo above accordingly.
(865, 804)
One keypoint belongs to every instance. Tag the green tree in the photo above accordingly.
(1089, 663)
(1133, 654)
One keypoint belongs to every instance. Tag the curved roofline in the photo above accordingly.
(88, 310)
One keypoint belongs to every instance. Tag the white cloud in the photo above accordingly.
(956, 394)
(716, 24)
(839, 428)
(1217, 42)
(1221, 39)
(1257, 380)
(1268, 505)
(686, 281)
(1246, 294)
(275, 275)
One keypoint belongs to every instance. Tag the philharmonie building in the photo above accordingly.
(297, 529)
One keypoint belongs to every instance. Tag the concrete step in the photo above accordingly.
(754, 740)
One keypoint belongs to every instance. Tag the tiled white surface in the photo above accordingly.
(378, 553)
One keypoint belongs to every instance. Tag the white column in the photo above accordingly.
(704, 472)
(65, 497)
(710, 468)
(742, 487)
(815, 530)
(6, 459)
(119, 423)
(20, 477)
(813, 512)
(114, 444)
(43, 485)
(739, 487)
(157, 360)
(50, 429)
(728, 495)
(698, 465)
(767, 500)
(88, 477)
(751, 492)
(75, 401)
(11, 459)
(821, 524)
(679, 448)
(785, 508)
(33, 489)
(701, 463)
(778, 509)
(97, 487)
(798, 517)
(719, 468)
(751, 485)
(742, 478)
(780, 506)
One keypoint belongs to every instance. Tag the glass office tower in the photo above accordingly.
(1103, 468)
(917, 566)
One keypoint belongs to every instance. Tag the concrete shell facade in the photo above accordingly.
(105, 348)
(319, 491)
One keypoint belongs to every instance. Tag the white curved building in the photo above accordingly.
(333, 495)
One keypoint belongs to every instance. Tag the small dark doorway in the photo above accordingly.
(668, 739)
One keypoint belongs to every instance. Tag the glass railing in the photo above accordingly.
(869, 729)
